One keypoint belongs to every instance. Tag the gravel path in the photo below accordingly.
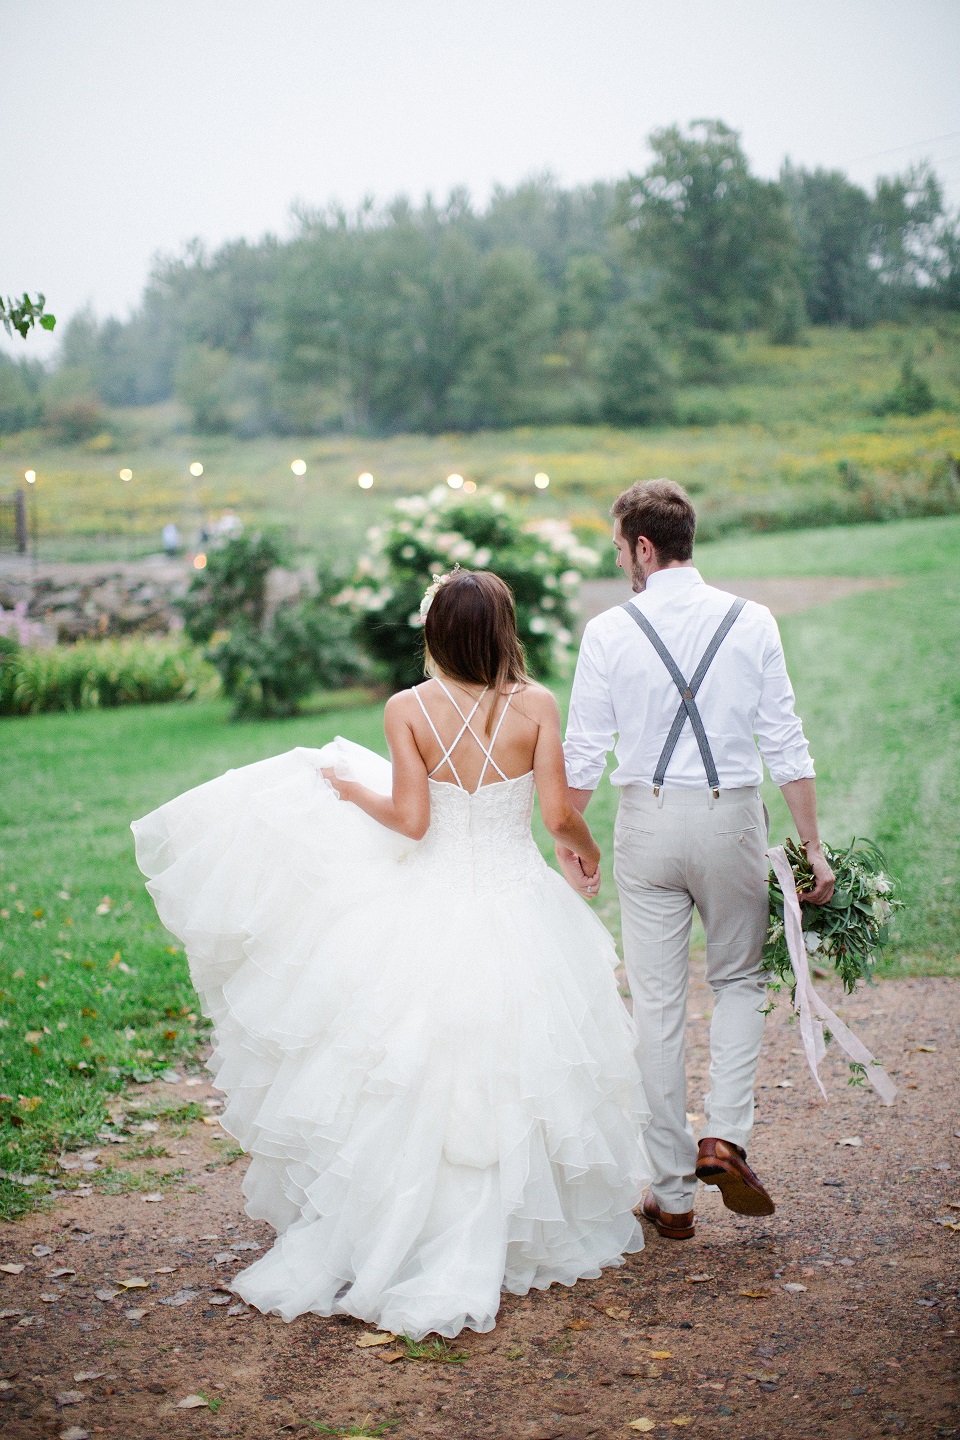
(835, 1317)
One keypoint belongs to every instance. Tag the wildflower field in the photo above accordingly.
(792, 437)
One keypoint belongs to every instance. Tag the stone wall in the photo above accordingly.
(77, 601)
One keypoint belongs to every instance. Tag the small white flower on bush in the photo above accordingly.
(427, 535)
(812, 941)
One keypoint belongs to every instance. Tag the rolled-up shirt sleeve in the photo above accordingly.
(591, 724)
(777, 726)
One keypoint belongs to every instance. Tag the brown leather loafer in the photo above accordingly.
(721, 1163)
(674, 1227)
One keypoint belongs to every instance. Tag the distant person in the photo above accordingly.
(229, 526)
(171, 539)
(684, 676)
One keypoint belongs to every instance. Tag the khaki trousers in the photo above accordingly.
(681, 849)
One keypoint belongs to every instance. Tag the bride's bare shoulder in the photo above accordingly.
(536, 700)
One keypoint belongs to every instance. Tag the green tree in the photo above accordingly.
(834, 222)
(721, 239)
(636, 376)
(508, 332)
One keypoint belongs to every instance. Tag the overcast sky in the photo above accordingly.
(130, 126)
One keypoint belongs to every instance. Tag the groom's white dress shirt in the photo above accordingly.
(622, 688)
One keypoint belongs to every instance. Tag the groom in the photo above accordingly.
(692, 684)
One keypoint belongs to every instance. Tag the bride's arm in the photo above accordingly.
(560, 815)
(407, 809)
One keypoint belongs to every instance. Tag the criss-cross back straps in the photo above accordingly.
(447, 757)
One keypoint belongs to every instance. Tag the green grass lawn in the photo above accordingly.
(94, 995)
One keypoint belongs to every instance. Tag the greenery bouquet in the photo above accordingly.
(850, 929)
(541, 560)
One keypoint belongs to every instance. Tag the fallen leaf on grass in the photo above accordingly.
(49, 1299)
(13, 1269)
(106, 1294)
(70, 1397)
(182, 1297)
(222, 1297)
(165, 1270)
(74, 1432)
(134, 1282)
(153, 1198)
(697, 1279)
(41, 1250)
(211, 1119)
(241, 1244)
(660, 1354)
(391, 1356)
(793, 1287)
(9, 1314)
(134, 1314)
(226, 1257)
(83, 1376)
(578, 1325)
(193, 1402)
(852, 1140)
(926, 1049)
(379, 1337)
(755, 1294)
(616, 1314)
(681, 1420)
(643, 1425)
(762, 1377)
(59, 1274)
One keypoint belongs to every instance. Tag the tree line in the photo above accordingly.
(548, 305)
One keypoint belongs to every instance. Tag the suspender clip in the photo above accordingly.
(656, 789)
(716, 794)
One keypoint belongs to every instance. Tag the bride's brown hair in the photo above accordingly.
(471, 633)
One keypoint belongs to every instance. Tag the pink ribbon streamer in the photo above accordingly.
(813, 1012)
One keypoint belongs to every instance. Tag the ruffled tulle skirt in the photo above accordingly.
(435, 1081)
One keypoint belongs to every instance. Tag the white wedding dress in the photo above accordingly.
(422, 1043)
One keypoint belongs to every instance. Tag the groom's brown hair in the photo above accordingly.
(662, 511)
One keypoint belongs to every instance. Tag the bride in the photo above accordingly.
(417, 1025)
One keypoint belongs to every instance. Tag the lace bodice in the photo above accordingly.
(482, 840)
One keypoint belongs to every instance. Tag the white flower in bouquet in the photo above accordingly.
(812, 941)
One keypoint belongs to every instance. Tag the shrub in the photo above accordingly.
(268, 657)
(99, 673)
(911, 395)
(541, 561)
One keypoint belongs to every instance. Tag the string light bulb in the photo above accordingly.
(126, 474)
(196, 469)
(541, 480)
(30, 476)
(455, 482)
(299, 467)
(365, 481)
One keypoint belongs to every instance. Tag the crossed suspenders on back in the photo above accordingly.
(688, 691)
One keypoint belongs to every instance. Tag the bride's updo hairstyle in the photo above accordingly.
(471, 632)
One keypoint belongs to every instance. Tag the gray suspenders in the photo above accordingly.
(688, 705)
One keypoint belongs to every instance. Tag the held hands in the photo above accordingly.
(574, 874)
(822, 874)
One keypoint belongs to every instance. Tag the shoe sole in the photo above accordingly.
(737, 1194)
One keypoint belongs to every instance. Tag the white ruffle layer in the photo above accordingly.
(436, 1085)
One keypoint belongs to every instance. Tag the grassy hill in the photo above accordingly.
(791, 438)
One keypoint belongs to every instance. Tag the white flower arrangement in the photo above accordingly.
(542, 560)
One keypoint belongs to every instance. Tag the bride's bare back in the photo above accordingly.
(472, 737)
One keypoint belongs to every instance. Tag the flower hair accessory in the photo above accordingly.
(431, 590)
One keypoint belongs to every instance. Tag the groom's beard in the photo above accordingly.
(638, 575)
